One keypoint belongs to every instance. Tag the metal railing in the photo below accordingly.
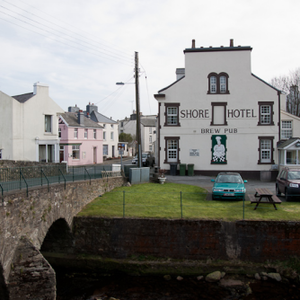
(26, 177)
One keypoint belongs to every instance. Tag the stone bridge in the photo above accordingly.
(25, 221)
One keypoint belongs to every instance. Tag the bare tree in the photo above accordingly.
(290, 85)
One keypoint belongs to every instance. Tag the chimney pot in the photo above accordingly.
(193, 44)
(231, 43)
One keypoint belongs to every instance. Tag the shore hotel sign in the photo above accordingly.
(230, 114)
(205, 113)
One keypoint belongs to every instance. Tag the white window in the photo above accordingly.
(265, 149)
(150, 130)
(75, 152)
(265, 114)
(150, 148)
(286, 129)
(48, 125)
(150, 139)
(223, 87)
(105, 149)
(85, 133)
(112, 136)
(95, 134)
(59, 132)
(213, 84)
(172, 115)
(172, 148)
(104, 135)
(75, 133)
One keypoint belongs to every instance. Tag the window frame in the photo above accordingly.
(216, 88)
(48, 123)
(95, 134)
(76, 150)
(85, 134)
(260, 120)
(213, 104)
(172, 105)
(167, 160)
(261, 160)
(112, 136)
(286, 129)
(75, 133)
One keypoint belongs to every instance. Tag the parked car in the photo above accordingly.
(288, 183)
(134, 160)
(148, 159)
(229, 185)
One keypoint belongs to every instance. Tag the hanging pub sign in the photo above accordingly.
(218, 149)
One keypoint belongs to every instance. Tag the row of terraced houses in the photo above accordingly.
(217, 115)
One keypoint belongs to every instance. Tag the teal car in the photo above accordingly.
(229, 185)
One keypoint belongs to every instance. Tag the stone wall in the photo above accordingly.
(187, 239)
(31, 217)
(10, 169)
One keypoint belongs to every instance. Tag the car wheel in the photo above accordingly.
(287, 198)
(277, 191)
(213, 197)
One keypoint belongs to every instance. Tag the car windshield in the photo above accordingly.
(144, 155)
(294, 175)
(229, 179)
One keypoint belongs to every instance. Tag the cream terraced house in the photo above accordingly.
(219, 116)
(29, 126)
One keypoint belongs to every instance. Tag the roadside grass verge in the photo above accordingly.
(173, 201)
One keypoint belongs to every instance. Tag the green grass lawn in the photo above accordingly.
(153, 200)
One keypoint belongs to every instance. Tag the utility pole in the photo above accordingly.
(137, 102)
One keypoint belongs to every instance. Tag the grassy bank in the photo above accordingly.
(172, 200)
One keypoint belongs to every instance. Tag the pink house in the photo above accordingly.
(81, 139)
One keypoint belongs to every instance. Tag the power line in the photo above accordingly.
(114, 47)
(78, 45)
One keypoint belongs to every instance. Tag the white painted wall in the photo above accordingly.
(24, 125)
(242, 132)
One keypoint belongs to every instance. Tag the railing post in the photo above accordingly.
(123, 204)
(181, 203)
(244, 209)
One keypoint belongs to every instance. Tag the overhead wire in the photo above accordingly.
(112, 47)
(53, 32)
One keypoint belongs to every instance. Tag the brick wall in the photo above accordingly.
(187, 239)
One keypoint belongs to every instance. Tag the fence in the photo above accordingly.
(32, 176)
(169, 205)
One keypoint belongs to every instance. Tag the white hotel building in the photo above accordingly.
(219, 116)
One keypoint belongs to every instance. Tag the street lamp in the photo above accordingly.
(137, 102)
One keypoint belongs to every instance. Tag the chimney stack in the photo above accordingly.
(80, 117)
(193, 44)
(231, 43)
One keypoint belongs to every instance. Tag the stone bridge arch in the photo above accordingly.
(24, 224)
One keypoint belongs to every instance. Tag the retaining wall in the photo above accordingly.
(187, 239)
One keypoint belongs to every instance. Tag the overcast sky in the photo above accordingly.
(82, 48)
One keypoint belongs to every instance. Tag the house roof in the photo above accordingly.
(71, 119)
(147, 122)
(287, 143)
(211, 49)
(97, 117)
(24, 97)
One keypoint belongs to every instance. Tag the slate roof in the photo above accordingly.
(24, 97)
(287, 143)
(147, 122)
(97, 117)
(72, 120)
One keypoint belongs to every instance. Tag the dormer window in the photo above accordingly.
(218, 83)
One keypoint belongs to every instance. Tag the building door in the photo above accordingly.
(95, 155)
(61, 153)
(113, 151)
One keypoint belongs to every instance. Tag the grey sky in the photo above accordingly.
(82, 48)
